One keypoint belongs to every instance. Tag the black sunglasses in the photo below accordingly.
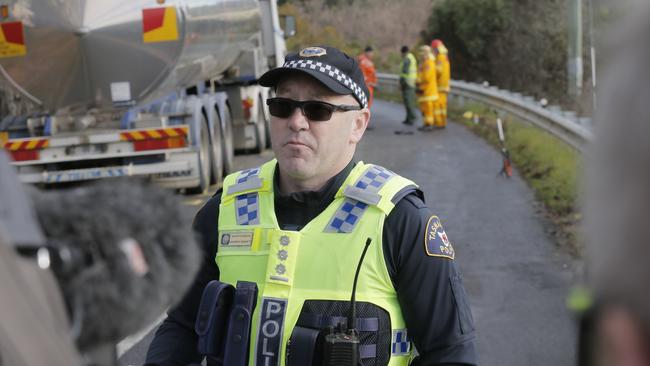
(312, 109)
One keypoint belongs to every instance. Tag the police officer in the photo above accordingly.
(297, 226)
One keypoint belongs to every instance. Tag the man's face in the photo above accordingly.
(309, 151)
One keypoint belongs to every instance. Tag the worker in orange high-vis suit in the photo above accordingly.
(443, 72)
(427, 87)
(369, 72)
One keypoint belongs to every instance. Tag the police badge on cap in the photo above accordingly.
(313, 52)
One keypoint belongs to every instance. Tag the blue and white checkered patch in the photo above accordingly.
(245, 174)
(247, 205)
(374, 178)
(247, 208)
(346, 217)
(400, 345)
(349, 213)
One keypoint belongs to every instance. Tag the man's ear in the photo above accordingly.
(359, 125)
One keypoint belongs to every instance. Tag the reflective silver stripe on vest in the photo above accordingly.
(253, 182)
(365, 196)
(247, 205)
(357, 198)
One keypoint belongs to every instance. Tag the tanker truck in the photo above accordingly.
(160, 88)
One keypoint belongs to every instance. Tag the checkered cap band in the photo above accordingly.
(349, 213)
(333, 73)
(247, 209)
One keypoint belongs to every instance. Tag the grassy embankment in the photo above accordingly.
(551, 168)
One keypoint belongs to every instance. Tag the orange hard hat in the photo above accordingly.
(436, 43)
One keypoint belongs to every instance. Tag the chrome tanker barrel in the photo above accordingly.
(74, 55)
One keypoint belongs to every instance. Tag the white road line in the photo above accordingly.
(127, 343)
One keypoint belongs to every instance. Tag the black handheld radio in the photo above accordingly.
(341, 344)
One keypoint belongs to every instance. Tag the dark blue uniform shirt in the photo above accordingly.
(429, 288)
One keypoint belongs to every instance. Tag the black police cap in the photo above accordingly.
(333, 68)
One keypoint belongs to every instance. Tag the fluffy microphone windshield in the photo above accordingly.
(134, 254)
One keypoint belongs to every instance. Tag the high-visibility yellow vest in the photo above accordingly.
(317, 262)
(412, 72)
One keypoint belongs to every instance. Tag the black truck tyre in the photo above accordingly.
(261, 130)
(216, 153)
(204, 160)
(228, 144)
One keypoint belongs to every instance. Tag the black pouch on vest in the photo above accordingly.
(372, 323)
(212, 320)
(239, 324)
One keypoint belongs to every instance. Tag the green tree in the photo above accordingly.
(351, 25)
(309, 35)
(519, 45)
(469, 29)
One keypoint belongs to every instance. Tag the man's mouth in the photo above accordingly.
(295, 143)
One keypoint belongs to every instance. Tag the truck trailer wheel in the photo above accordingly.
(227, 142)
(216, 154)
(204, 161)
(267, 128)
(260, 130)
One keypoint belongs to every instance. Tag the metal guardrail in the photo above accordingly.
(577, 132)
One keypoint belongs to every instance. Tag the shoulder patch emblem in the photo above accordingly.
(313, 52)
(436, 242)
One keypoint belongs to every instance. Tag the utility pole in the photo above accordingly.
(574, 63)
(592, 54)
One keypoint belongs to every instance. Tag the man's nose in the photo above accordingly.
(297, 120)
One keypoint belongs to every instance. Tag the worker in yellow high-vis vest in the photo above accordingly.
(427, 87)
(443, 73)
(407, 78)
(296, 227)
